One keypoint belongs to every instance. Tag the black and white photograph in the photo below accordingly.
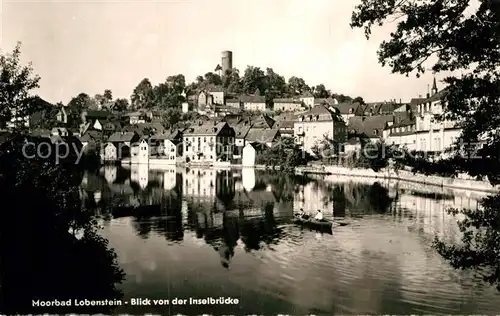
(250, 157)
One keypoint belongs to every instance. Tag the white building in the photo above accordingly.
(308, 99)
(249, 154)
(140, 152)
(110, 152)
(316, 124)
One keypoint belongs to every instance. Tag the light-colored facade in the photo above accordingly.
(253, 103)
(208, 142)
(308, 100)
(140, 152)
(287, 105)
(185, 107)
(316, 124)
(249, 154)
(110, 152)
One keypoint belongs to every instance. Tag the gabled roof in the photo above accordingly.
(122, 137)
(97, 114)
(253, 99)
(206, 129)
(285, 100)
(307, 94)
(347, 108)
(319, 113)
(241, 130)
(260, 135)
(368, 124)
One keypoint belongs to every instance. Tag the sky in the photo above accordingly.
(89, 46)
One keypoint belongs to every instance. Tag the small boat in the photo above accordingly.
(313, 223)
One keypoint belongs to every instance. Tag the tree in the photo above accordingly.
(108, 95)
(171, 117)
(231, 81)
(320, 92)
(460, 38)
(297, 86)
(120, 105)
(253, 79)
(358, 100)
(16, 85)
(177, 84)
(142, 96)
(82, 102)
(275, 85)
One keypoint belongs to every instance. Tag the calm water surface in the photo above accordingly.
(228, 233)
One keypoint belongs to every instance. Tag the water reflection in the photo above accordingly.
(230, 232)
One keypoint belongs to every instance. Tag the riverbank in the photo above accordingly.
(460, 182)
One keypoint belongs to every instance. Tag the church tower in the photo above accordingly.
(434, 87)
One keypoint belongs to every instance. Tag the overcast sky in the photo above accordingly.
(89, 46)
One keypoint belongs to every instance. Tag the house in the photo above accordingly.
(287, 105)
(208, 142)
(61, 131)
(185, 107)
(285, 127)
(317, 124)
(308, 99)
(347, 110)
(168, 145)
(253, 103)
(249, 155)
(433, 136)
(123, 142)
(370, 127)
(241, 131)
(268, 137)
(205, 99)
(145, 129)
(233, 102)
(136, 118)
(92, 116)
(217, 94)
(91, 139)
(402, 133)
(140, 152)
(328, 101)
(110, 153)
(261, 121)
(353, 145)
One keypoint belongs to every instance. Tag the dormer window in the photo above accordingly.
(375, 132)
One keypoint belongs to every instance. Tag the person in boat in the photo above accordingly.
(319, 216)
(303, 214)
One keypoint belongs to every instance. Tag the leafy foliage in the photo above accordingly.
(47, 258)
(480, 242)
(285, 156)
(444, 30)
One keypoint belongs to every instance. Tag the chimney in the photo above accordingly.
(400, 101)
(428, 95)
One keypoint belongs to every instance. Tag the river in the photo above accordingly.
(229, 233)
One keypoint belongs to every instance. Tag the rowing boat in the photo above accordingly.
(313, 223)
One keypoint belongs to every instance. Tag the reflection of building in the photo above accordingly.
(199, 183)
(430, 214)
(311, 198)
(248, 178)
(140, 174)
(169, 178)
(110, 173)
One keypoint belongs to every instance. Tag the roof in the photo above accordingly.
(262, 121)
(253, 99)
(437, 96)
(241, 130)
(260, 135)
(122, 137)
(329, 101)
(41, 132)
(206, 128)
(368, 124)
(319, 113)
(170, 135)
(354, 140)
(284, 124)
(141, 127)
(307, 94)
(347, 108)
(97, 114)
